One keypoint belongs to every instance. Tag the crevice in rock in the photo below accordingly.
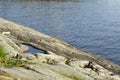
(28, 68)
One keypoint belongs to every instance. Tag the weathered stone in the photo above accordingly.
(28, 56)
(10, 47)
(81, 63)
(47, 43)
(23, 47)
(60, 61)
(6, 33)
(50, 58)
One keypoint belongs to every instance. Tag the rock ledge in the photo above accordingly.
(61, 61)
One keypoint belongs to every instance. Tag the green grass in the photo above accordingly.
(8, 62)
(3, 54)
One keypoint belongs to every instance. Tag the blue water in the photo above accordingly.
(33, 49)
(91, 25)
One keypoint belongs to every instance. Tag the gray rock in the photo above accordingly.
(28, 56)
(6, 33)
(47, 43)
(10, 47)
(50, 58)
(23, 47)
(62, 61)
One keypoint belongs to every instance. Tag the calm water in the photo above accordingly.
(92, 25)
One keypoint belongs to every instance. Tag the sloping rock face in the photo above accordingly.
(10, 47)
(61, 61)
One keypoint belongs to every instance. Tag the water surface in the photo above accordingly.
(92, 25)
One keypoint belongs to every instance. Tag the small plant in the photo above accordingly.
(8, 62)
(3, 54)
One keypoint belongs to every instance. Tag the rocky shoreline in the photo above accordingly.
(61, 61)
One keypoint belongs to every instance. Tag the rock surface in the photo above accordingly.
(10, 47)
(61, 61)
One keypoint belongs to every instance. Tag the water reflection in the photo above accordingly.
(33, 49)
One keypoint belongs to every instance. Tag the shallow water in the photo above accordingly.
(33, 50)
(92, 25)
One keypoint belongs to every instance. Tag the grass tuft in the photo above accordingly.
(3, 54)
(8, 62)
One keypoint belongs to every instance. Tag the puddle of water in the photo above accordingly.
(33, 50)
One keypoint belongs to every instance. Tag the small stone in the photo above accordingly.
(83, 63)
(6, 33)
(29, 56)
(51, 61)
(23, 47)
